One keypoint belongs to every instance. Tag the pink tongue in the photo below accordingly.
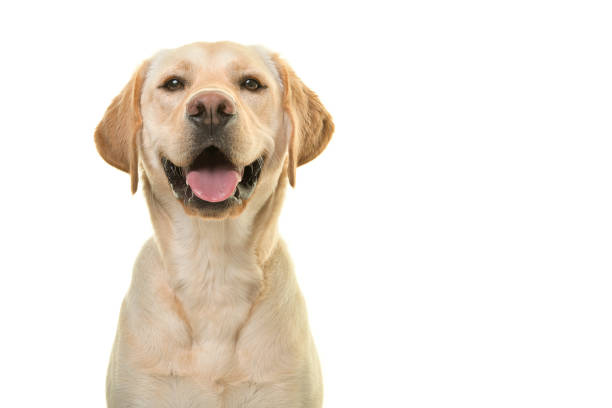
(213, 185)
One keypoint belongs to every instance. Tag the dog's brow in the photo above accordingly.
(238, 66)
(179, 67)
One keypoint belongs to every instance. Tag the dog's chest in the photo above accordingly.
(212, 301)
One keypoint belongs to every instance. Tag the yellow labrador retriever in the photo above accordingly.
(214, 316)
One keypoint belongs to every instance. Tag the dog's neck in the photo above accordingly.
(191, 246)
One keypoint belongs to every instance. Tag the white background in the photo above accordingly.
(453, 242)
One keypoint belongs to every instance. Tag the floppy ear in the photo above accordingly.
(118, 133)
(311, 124)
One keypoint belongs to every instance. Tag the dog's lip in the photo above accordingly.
(249, 176)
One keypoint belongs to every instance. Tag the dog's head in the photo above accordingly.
(210, 123)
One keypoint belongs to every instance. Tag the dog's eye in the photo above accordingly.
(251, 84)
(173, 84)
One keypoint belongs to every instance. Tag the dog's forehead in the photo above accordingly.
(222, 56)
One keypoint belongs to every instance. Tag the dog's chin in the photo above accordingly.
(195, 203)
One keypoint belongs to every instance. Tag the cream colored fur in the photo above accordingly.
(214, 316)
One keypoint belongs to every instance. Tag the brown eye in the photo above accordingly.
(251, 84)
(173, 84)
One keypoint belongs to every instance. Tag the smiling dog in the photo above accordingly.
(214, 316)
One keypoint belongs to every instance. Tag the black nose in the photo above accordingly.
(210, 109)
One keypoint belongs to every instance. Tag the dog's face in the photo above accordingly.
(213, 116)
(211, 121)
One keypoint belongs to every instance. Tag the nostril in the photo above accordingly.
(195, 109)
(221, 109)
(226, 108)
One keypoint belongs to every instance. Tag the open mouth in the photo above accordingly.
(212, 181)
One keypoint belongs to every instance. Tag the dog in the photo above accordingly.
(214, 316)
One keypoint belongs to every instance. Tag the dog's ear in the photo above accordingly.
(311, 124)
(118, 133)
